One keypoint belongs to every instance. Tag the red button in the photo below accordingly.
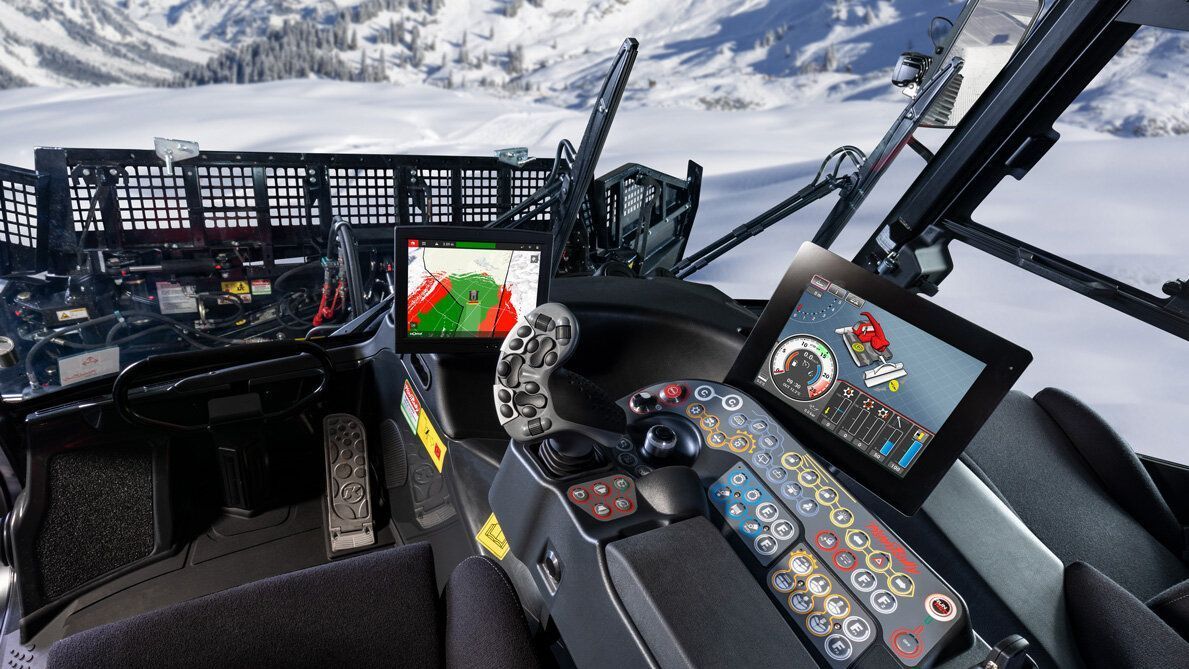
(673, 392)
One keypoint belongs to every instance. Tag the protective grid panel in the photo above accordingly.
(431, 198)
(613, 211)
(525, 184)
(228, 197)
(480, 196)
(152, 199)
(635, 195)
(287, 197)
(364, 195)
(18, 213)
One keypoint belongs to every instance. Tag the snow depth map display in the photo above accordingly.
(470, 289)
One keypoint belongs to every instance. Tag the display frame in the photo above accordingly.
(401, 236)
(1003, 361)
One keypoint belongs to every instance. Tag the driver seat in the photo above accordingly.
(380, 609)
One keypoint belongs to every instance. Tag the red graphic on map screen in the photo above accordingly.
(461, 304)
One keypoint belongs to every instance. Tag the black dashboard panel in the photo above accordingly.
(897, 407)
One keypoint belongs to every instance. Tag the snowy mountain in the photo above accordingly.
(70, 42)
(707, 54)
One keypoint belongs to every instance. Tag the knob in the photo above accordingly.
(659, 441)
(673, 393)
(643, 402)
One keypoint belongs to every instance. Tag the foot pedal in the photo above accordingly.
(348, 491)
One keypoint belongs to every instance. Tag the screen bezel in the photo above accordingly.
(1004, 363)
(400, 312)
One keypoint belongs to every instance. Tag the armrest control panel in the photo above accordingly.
(846, 581)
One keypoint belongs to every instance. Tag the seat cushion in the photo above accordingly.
(485, 624)
(1114, 629)
(374, 610)
(1034, 465)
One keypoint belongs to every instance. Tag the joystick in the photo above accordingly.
(537, 400)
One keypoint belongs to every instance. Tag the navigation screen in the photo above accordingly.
(470, 289)
(880, 384)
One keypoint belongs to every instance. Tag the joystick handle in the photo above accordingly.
(535, 398)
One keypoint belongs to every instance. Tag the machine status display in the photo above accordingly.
(873, 380)
(470, 289)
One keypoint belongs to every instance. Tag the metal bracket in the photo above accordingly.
(174, 150)
(516, 156)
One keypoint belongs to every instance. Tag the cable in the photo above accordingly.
(92, 210)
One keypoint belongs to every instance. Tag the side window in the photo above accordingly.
(1108, 196)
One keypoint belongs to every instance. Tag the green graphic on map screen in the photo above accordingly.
(470, 288)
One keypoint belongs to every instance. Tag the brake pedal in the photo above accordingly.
(348, 490)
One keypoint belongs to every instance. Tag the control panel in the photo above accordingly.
(843, 577)
(606, 498)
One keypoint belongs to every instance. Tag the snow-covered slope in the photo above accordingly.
(54, 42)
(1106, 202)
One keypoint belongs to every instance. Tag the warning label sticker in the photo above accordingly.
(410, 407)
(261, 287)
(240, 288)
(174, 298)
(491, 537)
(89, 365)
(430, 439)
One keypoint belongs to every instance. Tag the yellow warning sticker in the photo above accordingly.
(430, 439)
(491, 537)
(236, 287)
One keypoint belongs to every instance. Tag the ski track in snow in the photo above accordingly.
(1115, 205)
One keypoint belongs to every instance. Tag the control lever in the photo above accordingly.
(1005, 653)
(535, 399)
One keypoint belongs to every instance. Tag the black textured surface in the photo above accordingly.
(1118, 468)
(1048, 483)
(392, 451)
(375, 610)
(1172, 606)
(485, 625)
(689, 620)
(1113, 629)
(99, 516)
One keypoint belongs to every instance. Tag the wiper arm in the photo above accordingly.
(799, 200)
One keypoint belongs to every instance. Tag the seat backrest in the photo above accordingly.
(1027, 457)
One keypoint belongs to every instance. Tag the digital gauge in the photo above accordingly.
(827, 306)
(803, 368)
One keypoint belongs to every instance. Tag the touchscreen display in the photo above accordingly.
(470, 289)
(881, 385)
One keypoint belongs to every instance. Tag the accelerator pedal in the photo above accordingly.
(348, 490)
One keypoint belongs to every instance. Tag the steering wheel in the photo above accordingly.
(216, 369)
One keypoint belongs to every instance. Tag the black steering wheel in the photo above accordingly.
(212, 369)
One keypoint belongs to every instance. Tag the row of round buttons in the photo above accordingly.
(599, 491)
(804, 585)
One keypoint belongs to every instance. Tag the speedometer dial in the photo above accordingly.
(803, 368)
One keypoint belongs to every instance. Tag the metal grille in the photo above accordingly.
(18, 213)
(151, 199)
(525, 184)
(287, 197)
(480, 195)
(364, 195)
(228, 198)
(635, 195)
